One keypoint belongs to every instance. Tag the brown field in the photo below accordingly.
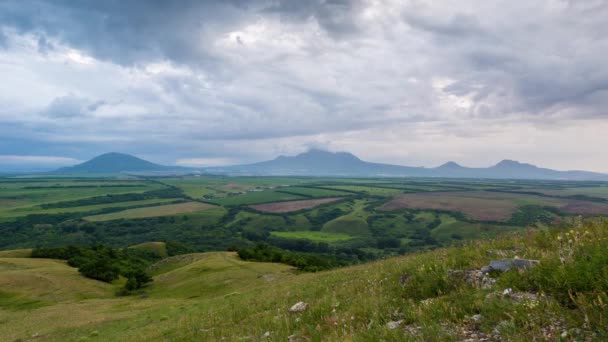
(483, 209)
(489, 206)
(285, 207)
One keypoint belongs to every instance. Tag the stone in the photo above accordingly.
(298, 307)
(505, 265)
(394, 324)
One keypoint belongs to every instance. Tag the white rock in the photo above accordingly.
(394, 324)
(476, 318)
(298, 307)
(266, 334)
(507, 292)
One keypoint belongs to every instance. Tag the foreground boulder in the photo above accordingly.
(505, 265)
(298, 307)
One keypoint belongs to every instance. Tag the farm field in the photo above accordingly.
(37, 210)
(373, 218)
(285, 207)
(313, 192)
(373, 191)
(489, 206)
(23, 198)
(600, 191)
(256, 197)
(153, 211)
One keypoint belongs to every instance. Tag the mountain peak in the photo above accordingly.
(324, 154)
(113, 162)
(507, 163)
(450, 165)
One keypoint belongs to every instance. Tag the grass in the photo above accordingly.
(354, 223)
(22, 199)
(256, 198)
(290, 206)
(155, 211)
(215, 297)
(158, 248)
(313, 236)
(373, 191)
(86, 208)
(450, 229)
(314, 192)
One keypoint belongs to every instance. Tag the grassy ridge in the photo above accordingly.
(216, 296)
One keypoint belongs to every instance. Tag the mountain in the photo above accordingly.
(115, 163)
(323, 163)
(318, 163)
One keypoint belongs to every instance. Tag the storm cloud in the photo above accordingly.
(409, 82)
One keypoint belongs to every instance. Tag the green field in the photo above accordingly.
(154, 211)
(313, 236)
(314, 192)
(256, 197)
(375, 218)
(373, 191)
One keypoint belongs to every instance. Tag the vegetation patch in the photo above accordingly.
(285, 207)
(256, 197)
(154, 211)
(15, 302)
(314, 236)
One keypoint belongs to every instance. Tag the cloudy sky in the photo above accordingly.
(222, 82)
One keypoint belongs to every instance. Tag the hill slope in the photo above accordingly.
(215, 296)
(114, 163)
(323, 163)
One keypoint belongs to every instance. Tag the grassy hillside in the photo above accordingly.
(215, 296)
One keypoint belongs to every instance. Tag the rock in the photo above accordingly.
(266, 334)
(473, 277)
(298, 307)
(297, 338)
(394, 324)
(412, 329)
(477, 317)
(508, 264)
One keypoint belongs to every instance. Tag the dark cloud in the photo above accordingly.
(127, 31)
(336, 16)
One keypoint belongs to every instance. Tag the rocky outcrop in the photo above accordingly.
(505, 265)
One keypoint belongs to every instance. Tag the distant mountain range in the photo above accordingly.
(323, 163)
(116, 163)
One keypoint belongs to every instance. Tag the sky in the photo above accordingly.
(207, 83)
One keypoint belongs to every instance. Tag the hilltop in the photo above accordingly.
(216, 296)
(115, 163)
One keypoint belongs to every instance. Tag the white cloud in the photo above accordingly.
(37, 160)
(394, 81)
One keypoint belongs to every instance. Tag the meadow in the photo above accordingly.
(216, 296)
